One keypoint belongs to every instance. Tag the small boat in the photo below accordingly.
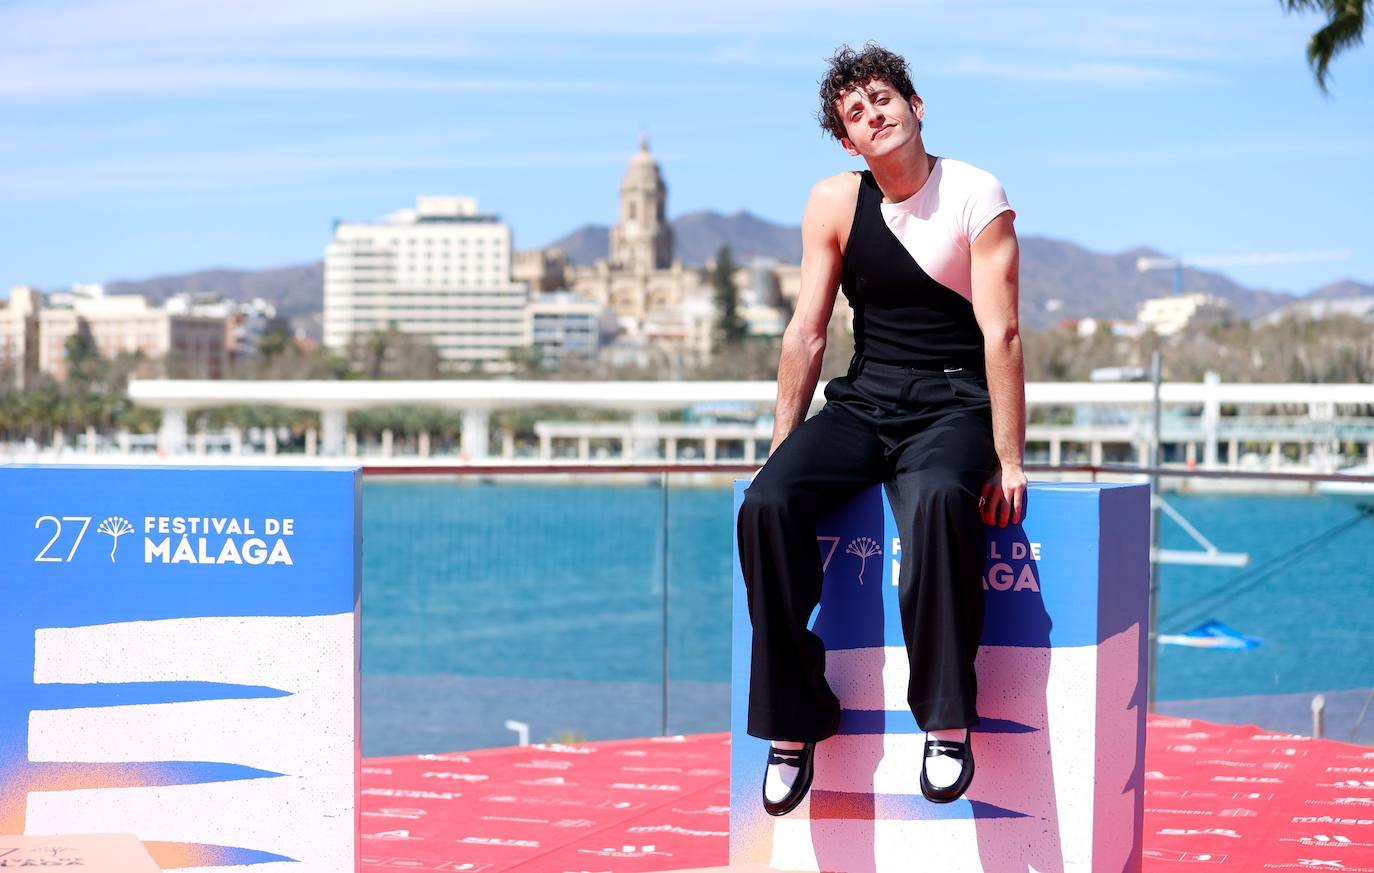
(1361, 493)
(1211, 635)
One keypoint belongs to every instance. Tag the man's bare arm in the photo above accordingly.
(995, 273)
(803, 342)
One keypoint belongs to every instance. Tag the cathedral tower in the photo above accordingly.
(641, 240)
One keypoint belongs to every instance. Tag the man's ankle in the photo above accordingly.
(955, 735)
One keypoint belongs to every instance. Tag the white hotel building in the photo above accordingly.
(441, 271)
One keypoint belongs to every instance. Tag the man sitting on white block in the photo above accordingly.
(933, 406)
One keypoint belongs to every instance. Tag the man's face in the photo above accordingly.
(877, 120)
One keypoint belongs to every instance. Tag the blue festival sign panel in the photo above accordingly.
(1060, 744)
(179, 660)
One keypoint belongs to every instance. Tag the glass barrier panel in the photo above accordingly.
(510, 607)
(1255, 644)
(701, 532)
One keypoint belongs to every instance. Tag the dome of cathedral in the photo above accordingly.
(643, 168)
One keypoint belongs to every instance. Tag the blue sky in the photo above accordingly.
(143, 137)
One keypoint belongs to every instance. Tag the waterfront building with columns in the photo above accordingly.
(1314, 427)
(440, 271)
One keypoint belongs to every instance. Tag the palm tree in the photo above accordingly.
(1344, 28)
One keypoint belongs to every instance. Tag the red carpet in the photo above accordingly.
(1239, 798)
(1218, 798)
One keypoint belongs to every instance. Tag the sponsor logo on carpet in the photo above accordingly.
(1328, 841)
(457, 777)
(412, 864)
(408, 792)
(1190, 832)
(402, 835)
(547, 780)
(675, 829)
(499, 841)
(538, 764)
(397, 812)
(1189, 857)
(1317, 864)
(626, 852)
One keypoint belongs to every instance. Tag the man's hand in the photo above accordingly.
(1004, 496)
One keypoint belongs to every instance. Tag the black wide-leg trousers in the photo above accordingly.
(927, 436)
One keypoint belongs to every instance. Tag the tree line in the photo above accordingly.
(1336, 349)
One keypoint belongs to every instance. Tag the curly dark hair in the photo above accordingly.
(850, 69)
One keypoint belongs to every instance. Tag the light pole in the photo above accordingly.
(1156, 458)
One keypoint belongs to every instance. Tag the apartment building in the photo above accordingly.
(1167, 316)
(441, 271)
(34, 332)
(192, 346)
(19, 336)
(562, 324)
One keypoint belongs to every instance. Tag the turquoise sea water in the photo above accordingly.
(536, 581)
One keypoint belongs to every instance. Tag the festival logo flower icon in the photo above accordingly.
(864, 548)
(115, 527)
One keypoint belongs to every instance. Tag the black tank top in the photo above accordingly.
(902, 315)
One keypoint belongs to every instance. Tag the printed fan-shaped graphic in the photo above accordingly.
(864, 548)
(116, 527)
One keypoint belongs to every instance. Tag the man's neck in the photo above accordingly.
(902, 174)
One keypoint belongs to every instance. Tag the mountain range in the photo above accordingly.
(1059, 279)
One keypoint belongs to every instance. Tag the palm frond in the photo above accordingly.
(1345, 29)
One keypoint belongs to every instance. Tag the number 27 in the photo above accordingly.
(43, 555)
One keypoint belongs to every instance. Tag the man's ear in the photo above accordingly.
(918, 108)
(849, 147)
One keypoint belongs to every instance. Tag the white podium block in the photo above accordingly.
(1060, 747)
(91, 853)
(179, 661)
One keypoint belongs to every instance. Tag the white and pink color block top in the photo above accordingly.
(939, 223)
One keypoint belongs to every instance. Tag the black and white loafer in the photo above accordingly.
(962, 752)
(800, 759)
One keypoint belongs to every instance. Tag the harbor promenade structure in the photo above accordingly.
(1318, 429)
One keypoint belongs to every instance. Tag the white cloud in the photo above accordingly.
(230, 170)
(1265, 152)
(148, 47)
(1104, 73)
(180, 77)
